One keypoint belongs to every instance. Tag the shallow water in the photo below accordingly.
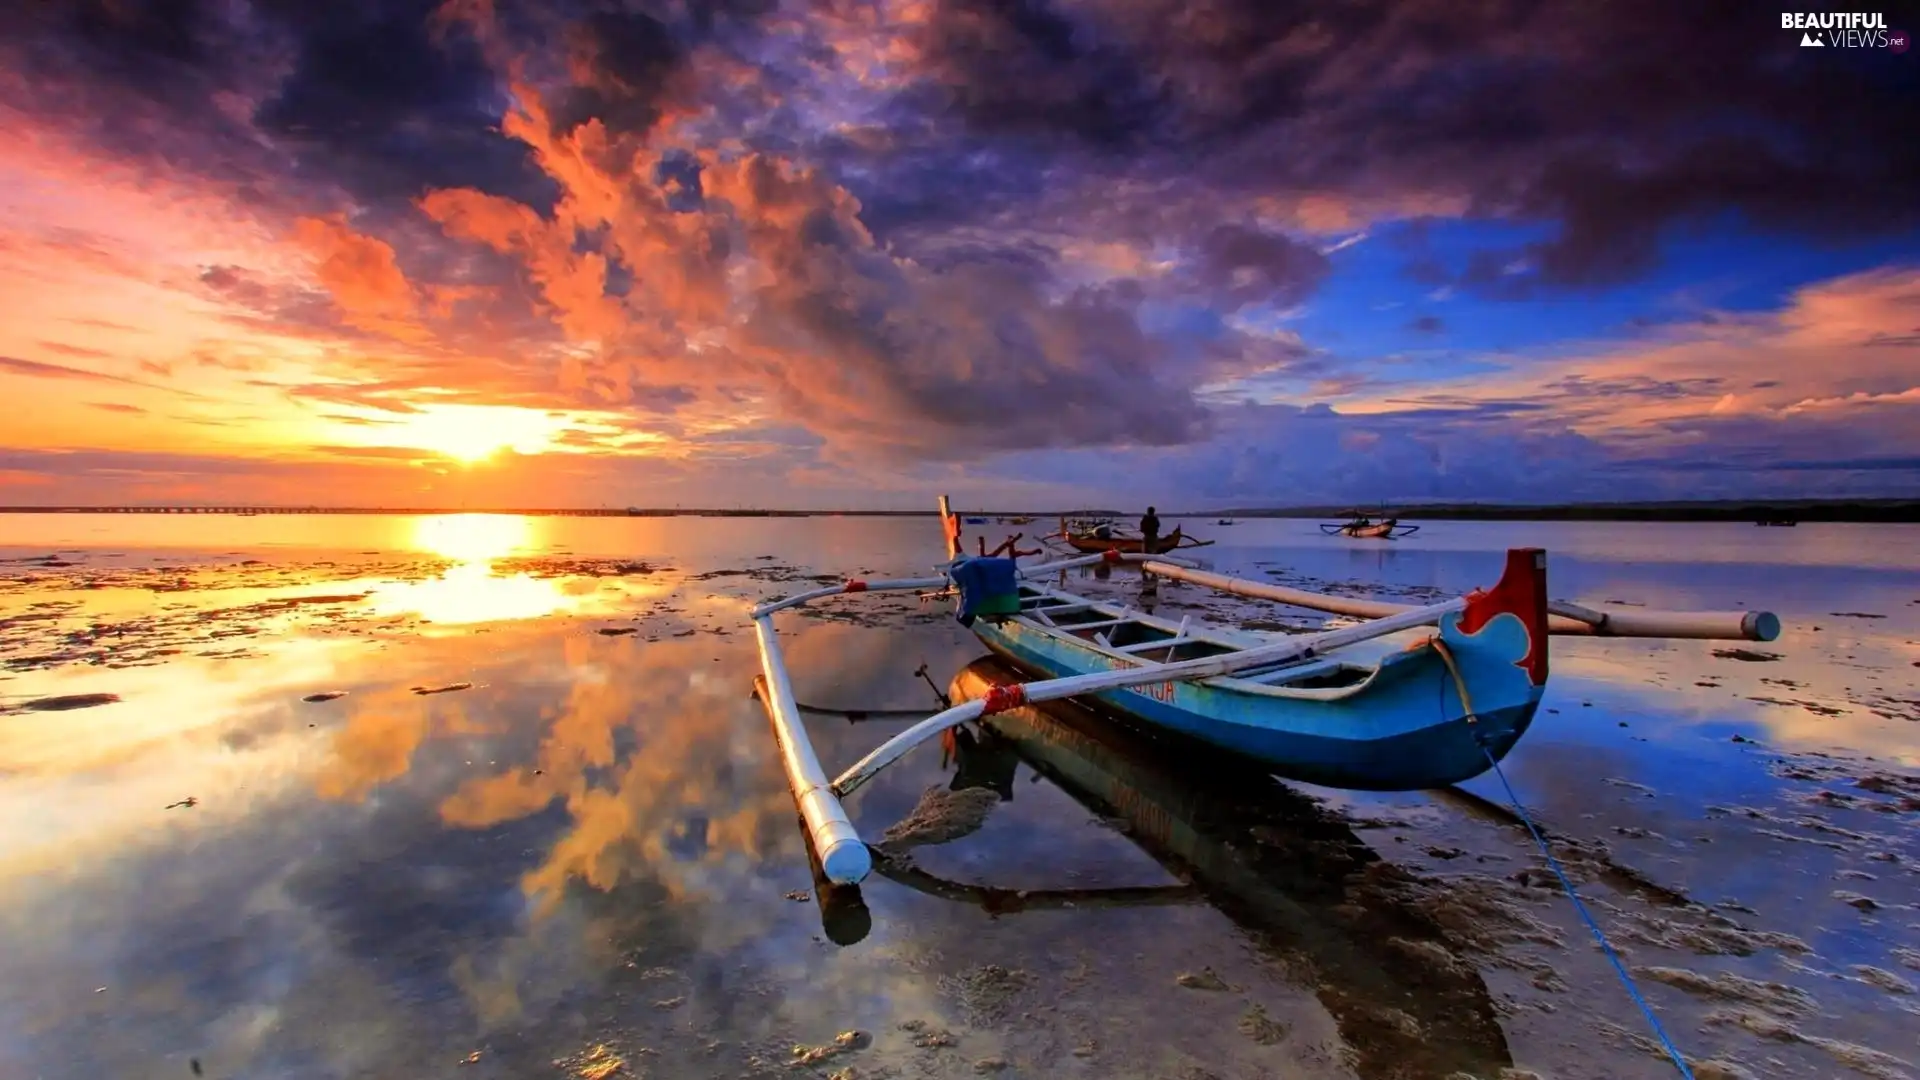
(578, 857)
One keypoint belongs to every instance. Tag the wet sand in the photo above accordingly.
(494, 800)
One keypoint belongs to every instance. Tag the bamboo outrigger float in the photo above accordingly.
(1413, 697)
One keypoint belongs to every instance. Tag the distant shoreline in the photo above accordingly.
(1857, 511)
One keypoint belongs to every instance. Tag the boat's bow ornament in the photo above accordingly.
(1513, 610)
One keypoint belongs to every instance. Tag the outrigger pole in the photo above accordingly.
(843, 856)
(1562, 617)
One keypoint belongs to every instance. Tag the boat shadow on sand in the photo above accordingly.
(1291, 874)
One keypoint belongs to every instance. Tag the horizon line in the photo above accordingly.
(1331, 509)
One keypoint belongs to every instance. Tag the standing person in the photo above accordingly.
(1150, 531)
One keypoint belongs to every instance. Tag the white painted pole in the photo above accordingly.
(1259, 590)
(843, 856)
(845, 588)
(1564, 618)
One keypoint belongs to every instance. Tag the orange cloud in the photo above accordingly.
(573, 283)
(363, 275)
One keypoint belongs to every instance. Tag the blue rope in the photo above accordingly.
(1626, 980)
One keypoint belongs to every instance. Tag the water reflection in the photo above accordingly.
(473, 538)
(1289, 873)
(472, 591)
(386, 883)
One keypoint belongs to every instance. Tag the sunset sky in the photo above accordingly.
(1031, 252)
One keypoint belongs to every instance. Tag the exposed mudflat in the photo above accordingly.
(513, 811)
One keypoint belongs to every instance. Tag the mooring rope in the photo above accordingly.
(1566, 884)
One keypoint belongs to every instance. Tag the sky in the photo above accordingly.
(1034, 253)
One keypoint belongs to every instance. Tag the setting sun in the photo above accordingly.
(474, 433)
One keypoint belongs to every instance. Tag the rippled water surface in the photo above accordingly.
(329, 797)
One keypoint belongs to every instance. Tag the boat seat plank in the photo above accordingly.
(1100, 624)
(1061, 608)
(1163, 643)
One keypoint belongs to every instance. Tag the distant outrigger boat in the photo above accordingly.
(1411, 698)
(1095, 535)
(1363, 526)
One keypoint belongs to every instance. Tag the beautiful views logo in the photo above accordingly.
(1845, 30)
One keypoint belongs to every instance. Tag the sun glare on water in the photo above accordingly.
(473, 538)
(470, 591)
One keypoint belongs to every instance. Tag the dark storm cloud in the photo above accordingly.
(280, 99)
(1608, 121)
(623, 61)
(929, 361)
(1026, 69)
(392, 104)
(1251, 266)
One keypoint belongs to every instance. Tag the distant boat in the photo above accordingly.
(976, 521)
(1362, 526)
(1225, 521)
(1778, 523)
(1091, 535)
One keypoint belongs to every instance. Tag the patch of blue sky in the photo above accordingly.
(1366, 318)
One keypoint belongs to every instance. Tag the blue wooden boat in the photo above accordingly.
(1381, 715)
(1406, 698)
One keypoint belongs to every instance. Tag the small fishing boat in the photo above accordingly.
(1778, 523)
(1133, 545)
(1095, 535)
(1226, 521)
(1407, 698)
(1363, 526)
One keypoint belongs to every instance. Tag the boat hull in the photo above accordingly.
(1406, 730)
(1384, 529)
(1126, 545)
